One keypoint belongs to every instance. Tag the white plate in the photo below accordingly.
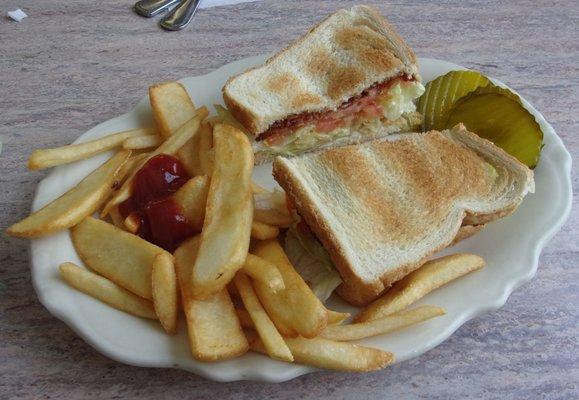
(510, 246)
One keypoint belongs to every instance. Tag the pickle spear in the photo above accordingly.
(443, 92)
(497, 114)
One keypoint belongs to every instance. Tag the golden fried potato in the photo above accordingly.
(75, 205)
(419, 283)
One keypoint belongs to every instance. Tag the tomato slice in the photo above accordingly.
(327, 125)
(364, 106)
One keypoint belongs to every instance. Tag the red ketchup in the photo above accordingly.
(161, 219)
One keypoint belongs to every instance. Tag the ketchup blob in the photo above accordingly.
(160, 219)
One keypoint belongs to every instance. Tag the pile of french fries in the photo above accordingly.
(232, 280)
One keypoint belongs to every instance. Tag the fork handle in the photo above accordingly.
(180, 17)
(150, 8)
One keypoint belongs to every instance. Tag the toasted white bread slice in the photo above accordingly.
(337, 59)
(383, 207)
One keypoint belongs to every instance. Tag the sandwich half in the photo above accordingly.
(381, 208)
(349, 79)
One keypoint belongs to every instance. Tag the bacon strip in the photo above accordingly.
(364, 106)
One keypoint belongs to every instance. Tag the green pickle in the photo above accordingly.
(443, 92)
(498, 115)
(492, 112)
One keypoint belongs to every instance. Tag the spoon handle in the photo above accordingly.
(150, 8)
(180, 17)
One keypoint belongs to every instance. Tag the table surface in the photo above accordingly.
(72, 64)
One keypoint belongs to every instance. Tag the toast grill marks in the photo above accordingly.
(390, 202)
(428, 182)
(363, 106)
(345, 54)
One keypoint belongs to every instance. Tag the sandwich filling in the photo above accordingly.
(383, 103)
(309, 257)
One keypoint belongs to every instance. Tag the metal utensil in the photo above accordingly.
(181, 15)
(150, 8)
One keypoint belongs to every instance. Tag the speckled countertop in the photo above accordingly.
(75, 63)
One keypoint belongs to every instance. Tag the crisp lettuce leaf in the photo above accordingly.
(302, 140)
(312, 262)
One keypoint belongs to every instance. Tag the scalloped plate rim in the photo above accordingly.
(69, 314)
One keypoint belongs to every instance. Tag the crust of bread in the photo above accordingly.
(337, 59)
(452, 184)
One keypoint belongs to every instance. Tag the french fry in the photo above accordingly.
(419, 283)
(271, 208)
(227, 225)
(206, 153)
(214, 120)
(263, 271)
(262, 231)
(142, 142)
(336, 318)
(189, 156)
(73, 206)
(212, 325)
(172, 107)
(192, 197)
(46, 158)
(257, 188)
(228, 118)
(232, 290)
(128, 168)
(106, 291)
(122, 257)
(272, 217)
(244, 318)
(203, 112)
(117, 219)
(295, 310)
(189, 153)
(131, 223)
(164, 290)
(391, 323)
(169, 146)
(328, 354)
(272, 340)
